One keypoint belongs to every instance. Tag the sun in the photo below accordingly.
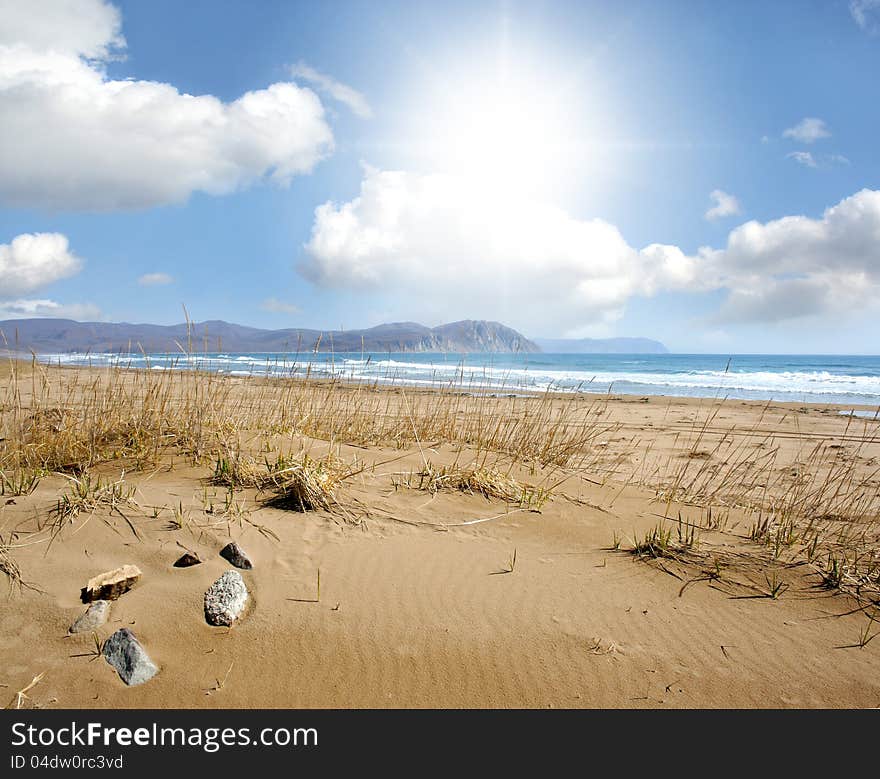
(511, 134)
(504, 125)
(500, 134)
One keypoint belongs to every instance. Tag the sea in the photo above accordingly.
(799, 378)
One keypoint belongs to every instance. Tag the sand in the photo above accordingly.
(419, 609)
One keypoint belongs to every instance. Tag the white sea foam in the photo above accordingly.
(779, 384)
(808, 382)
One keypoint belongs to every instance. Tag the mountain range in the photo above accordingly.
(65, 335)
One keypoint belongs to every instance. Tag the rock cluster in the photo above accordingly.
(225, 603)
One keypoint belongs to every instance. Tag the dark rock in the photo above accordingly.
(187, 560)
(226, 599)
(124, 652)
(92, 618)
(237, 556)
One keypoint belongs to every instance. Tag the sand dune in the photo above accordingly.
(418, 609)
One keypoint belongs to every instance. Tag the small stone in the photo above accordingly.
(226, 599)
(112, 584)
(124, 652)
(187, 560)
(237, 556)
(92, 618)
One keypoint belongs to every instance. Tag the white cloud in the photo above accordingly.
(808, 130)
(725, 205)
(91, 28)
(279, 306)
(31, 261)
(443, 249)
(154, 279)
(48, 309)
(449, 249)
(845, 239)
(781, 299)
(70, 138)
(865, 12)
(802, 158)
(810, 160)
(797, 266)
(337, 90)
(34, 260)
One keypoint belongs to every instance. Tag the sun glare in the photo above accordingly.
(507, 125)
(505, 136)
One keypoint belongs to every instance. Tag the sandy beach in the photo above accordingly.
(474, 551)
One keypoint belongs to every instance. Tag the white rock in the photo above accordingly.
(226, 599)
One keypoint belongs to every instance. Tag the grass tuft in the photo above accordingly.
(477, 480)
(87, 494)
(20, 481)
(307, 484)
(659, 542)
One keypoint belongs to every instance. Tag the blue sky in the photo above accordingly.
(551, 165)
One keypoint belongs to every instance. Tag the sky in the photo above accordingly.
(702, 173)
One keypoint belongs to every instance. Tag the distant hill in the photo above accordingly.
(65, 335)
(601, 346)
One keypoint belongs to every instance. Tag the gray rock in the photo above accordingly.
(124, 652)
(237, 556)
(92, 618)
(226, 599)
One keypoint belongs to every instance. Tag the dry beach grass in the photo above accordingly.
(730, 550)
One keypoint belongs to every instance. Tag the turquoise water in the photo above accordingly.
(802, 378)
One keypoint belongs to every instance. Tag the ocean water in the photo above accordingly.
(800, 378)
